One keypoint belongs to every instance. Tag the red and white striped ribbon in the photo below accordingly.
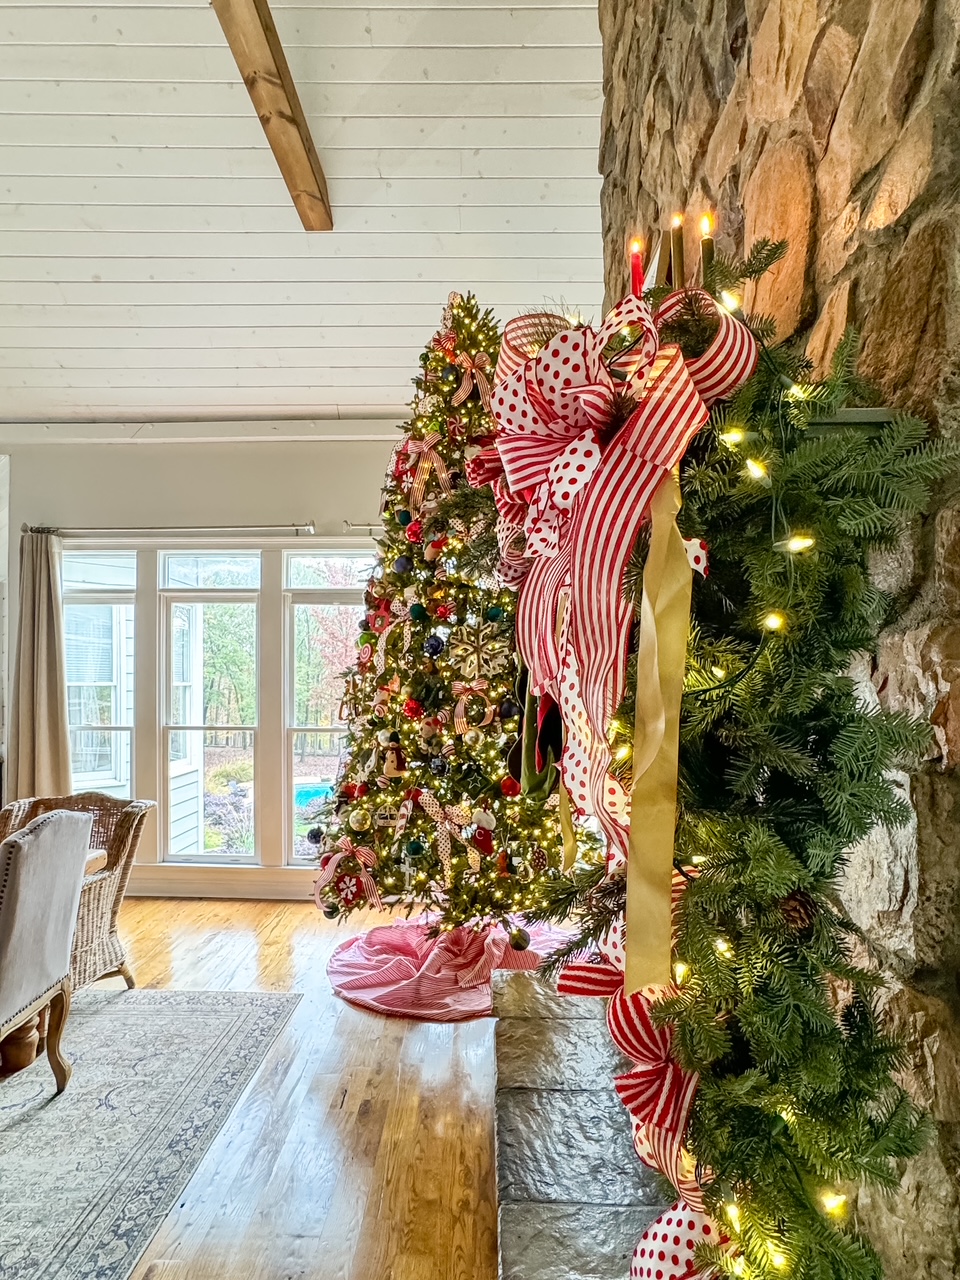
(475, 370)
(462, 690)
(658, 1090)
(367, 859)
(425, 452)
(401, 616)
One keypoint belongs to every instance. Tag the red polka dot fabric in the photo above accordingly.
(667, 1248)
(698, 555)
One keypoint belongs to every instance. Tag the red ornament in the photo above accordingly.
(349, 888)
(412, 709)
(379, 618)
(361, 790)
(414, 531)
(509, 786)
(447, 612)
(349, 790)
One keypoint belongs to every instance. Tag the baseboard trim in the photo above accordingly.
(174, 880)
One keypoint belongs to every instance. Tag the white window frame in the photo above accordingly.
(276, 875)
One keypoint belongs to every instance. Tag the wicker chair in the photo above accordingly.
(117, 826)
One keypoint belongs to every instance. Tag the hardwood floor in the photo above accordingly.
(363, 1150)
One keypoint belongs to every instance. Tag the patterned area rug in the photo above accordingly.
(87, 1178)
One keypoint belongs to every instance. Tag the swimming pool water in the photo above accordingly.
(307, 792)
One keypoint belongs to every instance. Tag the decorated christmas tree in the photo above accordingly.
(724, 748)
(430, 810)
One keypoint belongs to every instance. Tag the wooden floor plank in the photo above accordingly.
(363, 1150)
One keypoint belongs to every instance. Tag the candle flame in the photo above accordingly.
(706, 225)
(636, 246)
(677, 220)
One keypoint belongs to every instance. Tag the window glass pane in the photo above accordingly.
(316, 762)
(212, 569)
(324, 644)
(101, 760)
(98, 640)
(326, 572)
(211, 795)
(213, 664)
(99, 570)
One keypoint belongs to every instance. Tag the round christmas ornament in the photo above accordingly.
(360, 820)
(519, 939)
(414, 848)
(494, 613)
(331, 910)
(418, 612)
(447, 612)
(510, 786)
(434, 646)
(384, 737)
(472, 739)
(402, 564)
(412, 709)
(414, 531)
(450, 374)
(404, 518)
(438, 766)
(509, 709)
(315, 835)
(362, 789)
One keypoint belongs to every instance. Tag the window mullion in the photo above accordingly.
(270, 808)
(146, 703)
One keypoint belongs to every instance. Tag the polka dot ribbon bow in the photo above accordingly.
(550, 409)
(366, 858)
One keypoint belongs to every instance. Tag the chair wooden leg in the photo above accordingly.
(59, 1008)
(127, 976)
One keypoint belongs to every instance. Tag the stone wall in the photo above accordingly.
(836, 124)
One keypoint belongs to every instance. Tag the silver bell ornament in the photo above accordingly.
(473, 738)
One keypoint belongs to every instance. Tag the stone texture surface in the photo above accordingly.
(574, 1198)
(837, 125)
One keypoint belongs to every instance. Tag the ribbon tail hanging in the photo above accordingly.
(661, 662)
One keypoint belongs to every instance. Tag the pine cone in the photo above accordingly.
(799, 910)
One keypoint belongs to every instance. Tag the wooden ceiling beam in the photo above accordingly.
(255, 44)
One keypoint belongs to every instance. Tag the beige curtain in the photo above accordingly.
(39, 763)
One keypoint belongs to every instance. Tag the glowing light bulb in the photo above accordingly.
(733, 1213)
(734, 436)
(680, 970)
(706, 225)
(774, 621)
(730, 300)
(800, 542)
(723, 947)
(776, 1257)
(718, 672)
(624, 751)
(796, 392)
(677, 220)
(756, 469)
(833, 1201)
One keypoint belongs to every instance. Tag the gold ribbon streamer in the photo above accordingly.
(567, 830)
(661, 661)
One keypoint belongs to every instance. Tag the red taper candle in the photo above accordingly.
(636, 268)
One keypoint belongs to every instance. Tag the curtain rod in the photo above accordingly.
(307, 529)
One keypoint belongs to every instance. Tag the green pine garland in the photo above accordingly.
(783, 768)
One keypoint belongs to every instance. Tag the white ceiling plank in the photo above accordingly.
(343, 298)
(338, 385)
(171, 358)
(119, 97)
(316, 65)
(293, 244)
(216, 130)
(412, 193)
(358, 339)
(325, 27)
(384, 163)
(376, 220)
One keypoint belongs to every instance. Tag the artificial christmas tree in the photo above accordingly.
(428, 812)
(761, 1077)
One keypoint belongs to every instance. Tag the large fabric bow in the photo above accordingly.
(658, 1090)
(428, 459)
(366, 858)
(474, 373)
(400, 615)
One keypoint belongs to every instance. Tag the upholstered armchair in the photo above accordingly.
(115, 835)
(41, 873)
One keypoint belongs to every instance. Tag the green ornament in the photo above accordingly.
(368, 637)
(404, 517)
(414, 848)
(494, 613)
(418, 612)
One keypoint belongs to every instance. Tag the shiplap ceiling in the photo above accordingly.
(151, 262)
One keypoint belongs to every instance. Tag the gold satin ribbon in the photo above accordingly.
(661, 661)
